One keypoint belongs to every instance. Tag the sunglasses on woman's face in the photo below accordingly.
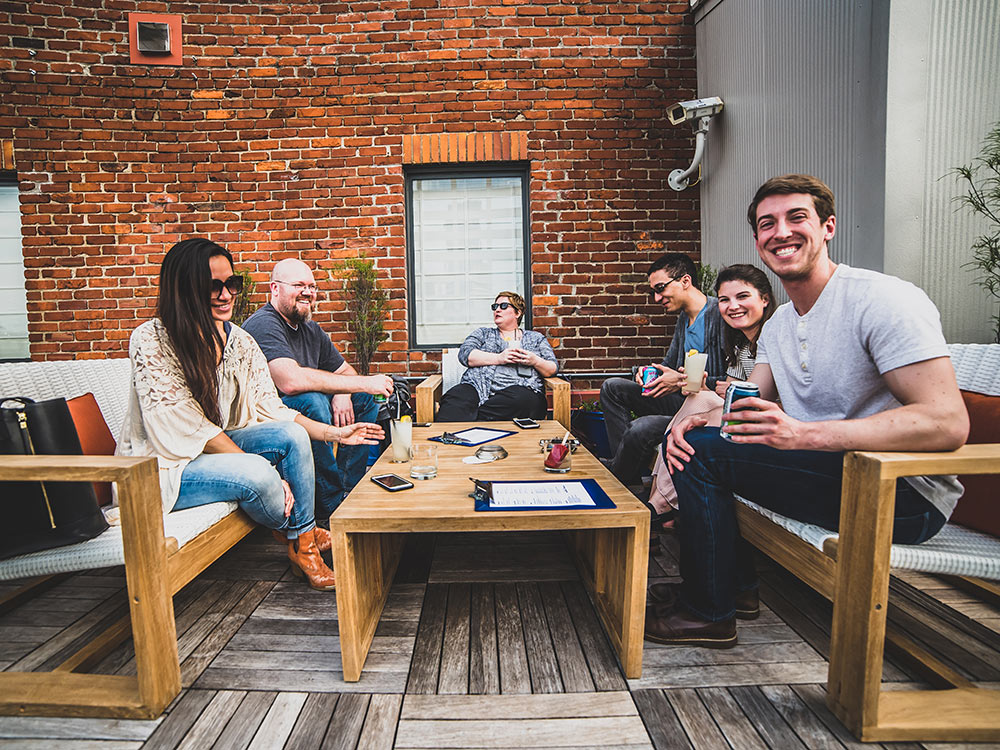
(234, 284)
(501, 306)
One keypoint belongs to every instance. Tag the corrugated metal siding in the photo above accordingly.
(804, 90)
(881, 101)
(963, 101)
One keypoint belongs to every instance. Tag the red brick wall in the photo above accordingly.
(281, 135)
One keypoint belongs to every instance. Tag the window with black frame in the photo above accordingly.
(467, 239)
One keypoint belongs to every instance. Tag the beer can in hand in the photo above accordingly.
(649, 374)
(735, 392)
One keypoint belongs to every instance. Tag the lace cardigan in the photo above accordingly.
(164, 420)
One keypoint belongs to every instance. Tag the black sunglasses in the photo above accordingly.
(234, 284)
(501, 306)
(662, 286)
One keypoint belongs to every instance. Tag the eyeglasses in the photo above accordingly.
(501, 306)
(299, 287)
(662, 286)
(234, 284)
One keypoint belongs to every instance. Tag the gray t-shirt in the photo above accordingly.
(306, 343)
(828, 364)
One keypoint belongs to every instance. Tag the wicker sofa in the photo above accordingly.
(852, 570)
(161, 554)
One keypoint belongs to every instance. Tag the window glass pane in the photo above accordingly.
(13, 300)
(468, 244)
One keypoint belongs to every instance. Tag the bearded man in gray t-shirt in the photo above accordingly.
(857, 361)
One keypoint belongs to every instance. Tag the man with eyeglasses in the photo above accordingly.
(313, 377)
(672, 284)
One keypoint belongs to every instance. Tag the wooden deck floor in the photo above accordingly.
(486, 641)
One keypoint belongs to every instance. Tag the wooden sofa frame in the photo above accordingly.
(155, 569)
(853, 572)
(429, 393)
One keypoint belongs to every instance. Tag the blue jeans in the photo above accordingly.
(335, 475)
(715, 561)
(274, 451)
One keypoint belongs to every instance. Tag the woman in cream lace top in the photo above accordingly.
(202, 401)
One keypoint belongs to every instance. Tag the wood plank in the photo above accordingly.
(604, 668)
(209, 725)
(766, 719)
(379, 731)
(56, 649)
(807, 727)
(179, 721)
(242, 727)
(277, 725)
(765, 653)
(291, 660)
(513, 657)
(731, 674)
(318, 644)
(734, 724)
(454, 674)
(209, 648)
(492, 733)
(661, 722)
(426, 662)
(695, 719)
(207, 622)
(484, 663)
(814, 696)
(346, 723)
(310, 728)
(572, 663)
(16, 729)
(542, 664)
(541, 706)
(298, 680)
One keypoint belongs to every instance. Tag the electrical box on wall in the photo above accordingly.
(154, 39)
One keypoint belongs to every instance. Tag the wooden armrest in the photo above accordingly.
(982, 458)
(428, 394)
(560, 399)
(70, 468)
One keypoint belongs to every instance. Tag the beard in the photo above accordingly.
(295, 315)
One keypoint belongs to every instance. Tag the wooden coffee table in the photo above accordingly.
(611, 546)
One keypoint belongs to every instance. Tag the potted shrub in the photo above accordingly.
(981, 181)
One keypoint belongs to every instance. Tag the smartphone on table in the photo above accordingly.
(392, 482)
(525, 424)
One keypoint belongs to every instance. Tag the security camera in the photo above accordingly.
(694, 109)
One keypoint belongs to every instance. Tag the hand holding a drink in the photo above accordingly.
(665, 380)
(694, 371)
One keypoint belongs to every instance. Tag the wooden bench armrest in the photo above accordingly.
(146, 572)
(428, 394)
(560, 400)
(861, 589)
(983, 458)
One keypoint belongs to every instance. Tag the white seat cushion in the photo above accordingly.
(106, 550)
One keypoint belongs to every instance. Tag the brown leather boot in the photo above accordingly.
(306, 560)
(323, 543)
(747, 602)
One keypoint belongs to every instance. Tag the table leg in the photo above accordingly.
(613, 564)
(364, 565)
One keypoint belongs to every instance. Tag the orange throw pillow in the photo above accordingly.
(979, 507)
(95, 437)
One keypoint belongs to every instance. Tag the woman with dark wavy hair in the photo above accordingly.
(202, 401)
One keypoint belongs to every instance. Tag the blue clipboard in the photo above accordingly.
(483, 494)
(468, 443)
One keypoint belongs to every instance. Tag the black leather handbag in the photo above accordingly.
(42, 515)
